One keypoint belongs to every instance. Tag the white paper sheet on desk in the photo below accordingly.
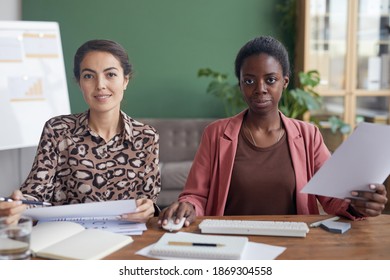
(253, 251)
(92, 210)
(362, 159)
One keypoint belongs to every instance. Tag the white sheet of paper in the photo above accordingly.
(99, 210)
(253, 251)
(362, 159)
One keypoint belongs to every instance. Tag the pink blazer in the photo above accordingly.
(208, 182)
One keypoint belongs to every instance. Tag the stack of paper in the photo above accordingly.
(116, 226)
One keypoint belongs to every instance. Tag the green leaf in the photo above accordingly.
(229, 94)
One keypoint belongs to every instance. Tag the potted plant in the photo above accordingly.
(298, 102)
(229, 94)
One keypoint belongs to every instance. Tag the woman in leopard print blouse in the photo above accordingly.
(101, 154)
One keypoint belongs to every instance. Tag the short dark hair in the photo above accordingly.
(267, 45)
(111, 47)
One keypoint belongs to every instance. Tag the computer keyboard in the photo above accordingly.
(241, 227)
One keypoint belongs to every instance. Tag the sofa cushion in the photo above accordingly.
(179, 138)
(174, 174)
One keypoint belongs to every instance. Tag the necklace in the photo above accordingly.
(253, 139)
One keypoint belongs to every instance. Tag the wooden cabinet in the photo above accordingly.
(347, 41)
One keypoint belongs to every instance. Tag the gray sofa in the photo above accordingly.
(179, 140)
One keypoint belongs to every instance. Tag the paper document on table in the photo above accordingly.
(252, 251)
(103, 210)
(362, 159)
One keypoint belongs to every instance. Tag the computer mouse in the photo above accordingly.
(171, 226)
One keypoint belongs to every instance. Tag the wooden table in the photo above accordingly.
(367, 239)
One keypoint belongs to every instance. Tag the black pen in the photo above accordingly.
(194, 244)
(29, 202)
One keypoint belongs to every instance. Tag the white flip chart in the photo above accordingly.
(33, 85)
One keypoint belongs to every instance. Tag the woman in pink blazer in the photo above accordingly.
(257, 162)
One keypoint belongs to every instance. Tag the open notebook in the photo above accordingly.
(199, 246)
(68, 240)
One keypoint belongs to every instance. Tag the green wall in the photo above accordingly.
(167, 40)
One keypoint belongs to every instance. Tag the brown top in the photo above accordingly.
(263, 175)
(74, 164)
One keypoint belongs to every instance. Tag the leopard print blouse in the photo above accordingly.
(74, 164)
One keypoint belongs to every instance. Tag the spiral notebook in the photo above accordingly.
(199, 246)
